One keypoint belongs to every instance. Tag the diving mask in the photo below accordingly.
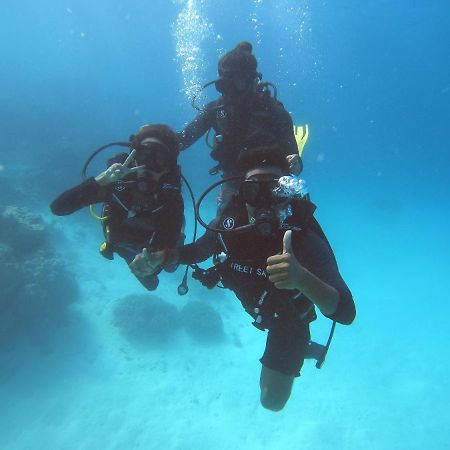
(259, 192)
(230, 84)
(155, 155)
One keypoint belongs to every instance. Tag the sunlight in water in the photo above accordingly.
(294, 23)
(255, 19)
(292, 20)
(190, 30)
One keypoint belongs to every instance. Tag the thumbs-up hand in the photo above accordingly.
(287, 242)
(147, 263)
(284, 270)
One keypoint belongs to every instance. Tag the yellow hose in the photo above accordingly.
(94, 215)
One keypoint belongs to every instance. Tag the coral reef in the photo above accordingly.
(36, 286)
(146, 319)
(202, 322)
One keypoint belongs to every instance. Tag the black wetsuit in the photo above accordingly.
(136, 218)
(262, 120)
(285, 313)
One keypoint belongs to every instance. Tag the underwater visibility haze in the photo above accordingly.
(90, 360)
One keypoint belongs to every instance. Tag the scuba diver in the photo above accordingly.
(246, 115)
(270, 251)
(141, 195)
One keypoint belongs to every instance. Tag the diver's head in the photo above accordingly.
(263, 162)
(157, 148)
(263, 167)
(237, 72)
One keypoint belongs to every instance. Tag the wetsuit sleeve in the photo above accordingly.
(198, 127)
(84, 194)
(316, 255)
(201, 249)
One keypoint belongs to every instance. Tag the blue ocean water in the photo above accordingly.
(372, 81)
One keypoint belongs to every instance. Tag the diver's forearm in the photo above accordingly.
(78, 197)
(193, 131)
(192, 254)
(324, 296)
(198, 251)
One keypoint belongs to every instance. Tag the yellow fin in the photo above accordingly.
(301, 133)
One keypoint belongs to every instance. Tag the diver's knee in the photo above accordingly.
(274, 401)
(275, 388)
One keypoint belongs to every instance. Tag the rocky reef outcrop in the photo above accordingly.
(36, 286)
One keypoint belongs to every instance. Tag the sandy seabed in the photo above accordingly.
(85, 386)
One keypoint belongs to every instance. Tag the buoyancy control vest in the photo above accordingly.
(129, 216)
(235, 130)
(241, 263)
